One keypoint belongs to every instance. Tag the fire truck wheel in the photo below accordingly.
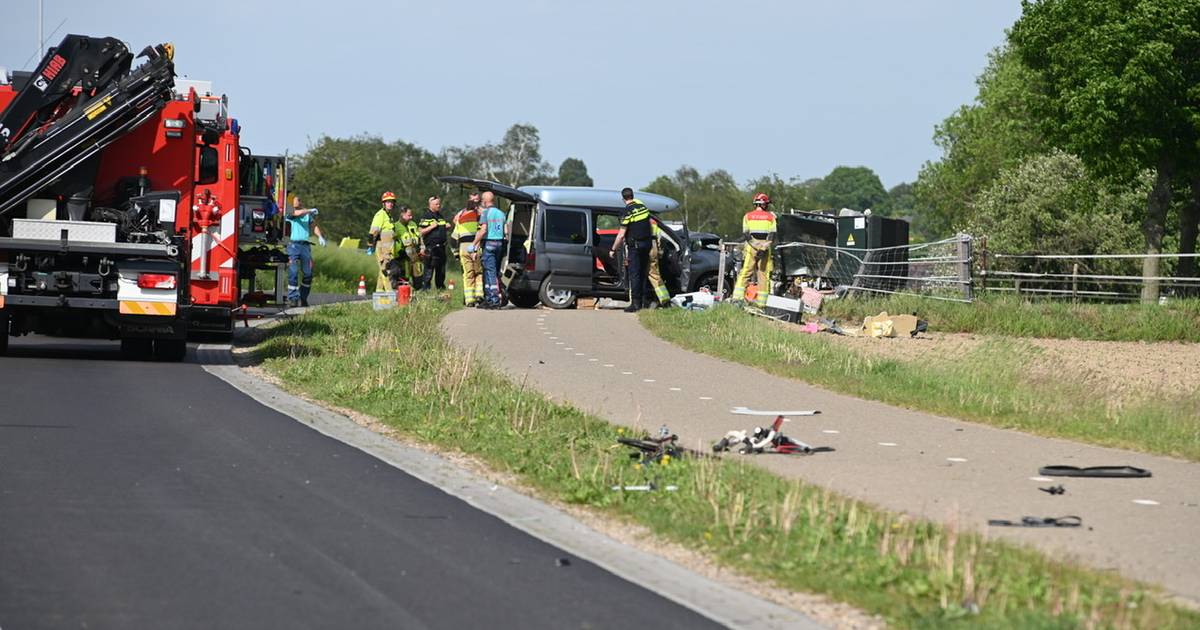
(136, 349)
(172, 350)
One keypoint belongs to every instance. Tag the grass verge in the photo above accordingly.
(396, 366)
(992, 384)
(1178, 320)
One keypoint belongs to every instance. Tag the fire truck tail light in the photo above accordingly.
(156, 280)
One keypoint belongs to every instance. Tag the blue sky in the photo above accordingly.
(635, 89)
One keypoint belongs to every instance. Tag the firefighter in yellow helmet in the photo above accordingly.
(466, 224)
(654, 275)
(410, 248)
(759, 228)
(383, 239)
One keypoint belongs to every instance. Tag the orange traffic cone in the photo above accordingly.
(362, 285)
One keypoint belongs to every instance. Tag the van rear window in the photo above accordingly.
(566, 226)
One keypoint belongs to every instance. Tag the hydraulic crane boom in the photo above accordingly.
(81, 98)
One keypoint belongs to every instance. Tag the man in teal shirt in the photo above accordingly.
(492, 225)
(303, 224)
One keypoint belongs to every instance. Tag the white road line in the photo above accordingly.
(627, 372)
(956, 459)
(830, 431)
(1040, 479)
(558, 343)
(608, 365)
(552, 338)
(647, 380)
(568, 348)
(590, 360)
(706, 398)
(887, 444)
(1145, 501)
(579, 354)
(675, 389)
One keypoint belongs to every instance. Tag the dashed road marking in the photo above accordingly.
(706, 398)
(568, 348)
(558, 343)
(608, 365)
(579, 354)
(554, 338)
(887, 444)
(627, 372)
(593, 359)
(675, 389)
(830, 431)
(647, 380)
(1145, 501)
(956, 459)
(1040, 479)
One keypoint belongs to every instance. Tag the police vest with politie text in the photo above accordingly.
(636, 220)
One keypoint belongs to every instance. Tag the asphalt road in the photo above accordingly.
(151, 495)
(959, 473)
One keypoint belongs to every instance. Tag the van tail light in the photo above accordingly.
(156, 280)
(530, 260)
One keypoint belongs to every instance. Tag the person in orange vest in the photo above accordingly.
(759, 228)
(466, 224)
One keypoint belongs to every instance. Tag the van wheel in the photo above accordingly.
(555, 298)
(522, 299)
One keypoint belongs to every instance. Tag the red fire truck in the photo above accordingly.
(128, 207)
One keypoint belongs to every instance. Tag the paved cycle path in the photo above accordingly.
(952, 471)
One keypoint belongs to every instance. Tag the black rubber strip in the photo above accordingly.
(1093, 471)
(1039, 521)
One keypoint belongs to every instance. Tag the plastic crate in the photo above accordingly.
(383, 300)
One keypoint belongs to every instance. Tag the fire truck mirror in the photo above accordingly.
(207, 167)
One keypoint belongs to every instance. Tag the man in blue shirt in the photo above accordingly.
(303, 224)
(492, 225)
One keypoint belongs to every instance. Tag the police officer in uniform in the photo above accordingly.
(636, 234)
(434, 231)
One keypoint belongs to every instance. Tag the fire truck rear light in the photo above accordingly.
(173, 123)
(156, 280)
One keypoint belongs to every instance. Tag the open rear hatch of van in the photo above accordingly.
(520, 221)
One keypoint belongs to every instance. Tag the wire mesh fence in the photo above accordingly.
(937, 270)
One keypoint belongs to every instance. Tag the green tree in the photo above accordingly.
(709, 203)
(901, 202)
(1121, 81)
(344, 177)
(856, 187)
(785, 195)
(573, 172)
(1051, 204)
(998, 131)
(515, 161)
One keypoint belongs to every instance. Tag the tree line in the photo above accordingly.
(1083, 138)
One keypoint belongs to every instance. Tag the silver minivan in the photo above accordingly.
(560, 237)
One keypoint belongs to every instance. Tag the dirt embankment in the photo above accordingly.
(1122, 371)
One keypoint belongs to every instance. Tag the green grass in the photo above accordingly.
(336, 270)
(1178, 320)
(396, 366)
(991, 384)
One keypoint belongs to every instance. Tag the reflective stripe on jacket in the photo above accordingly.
(759, 222)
